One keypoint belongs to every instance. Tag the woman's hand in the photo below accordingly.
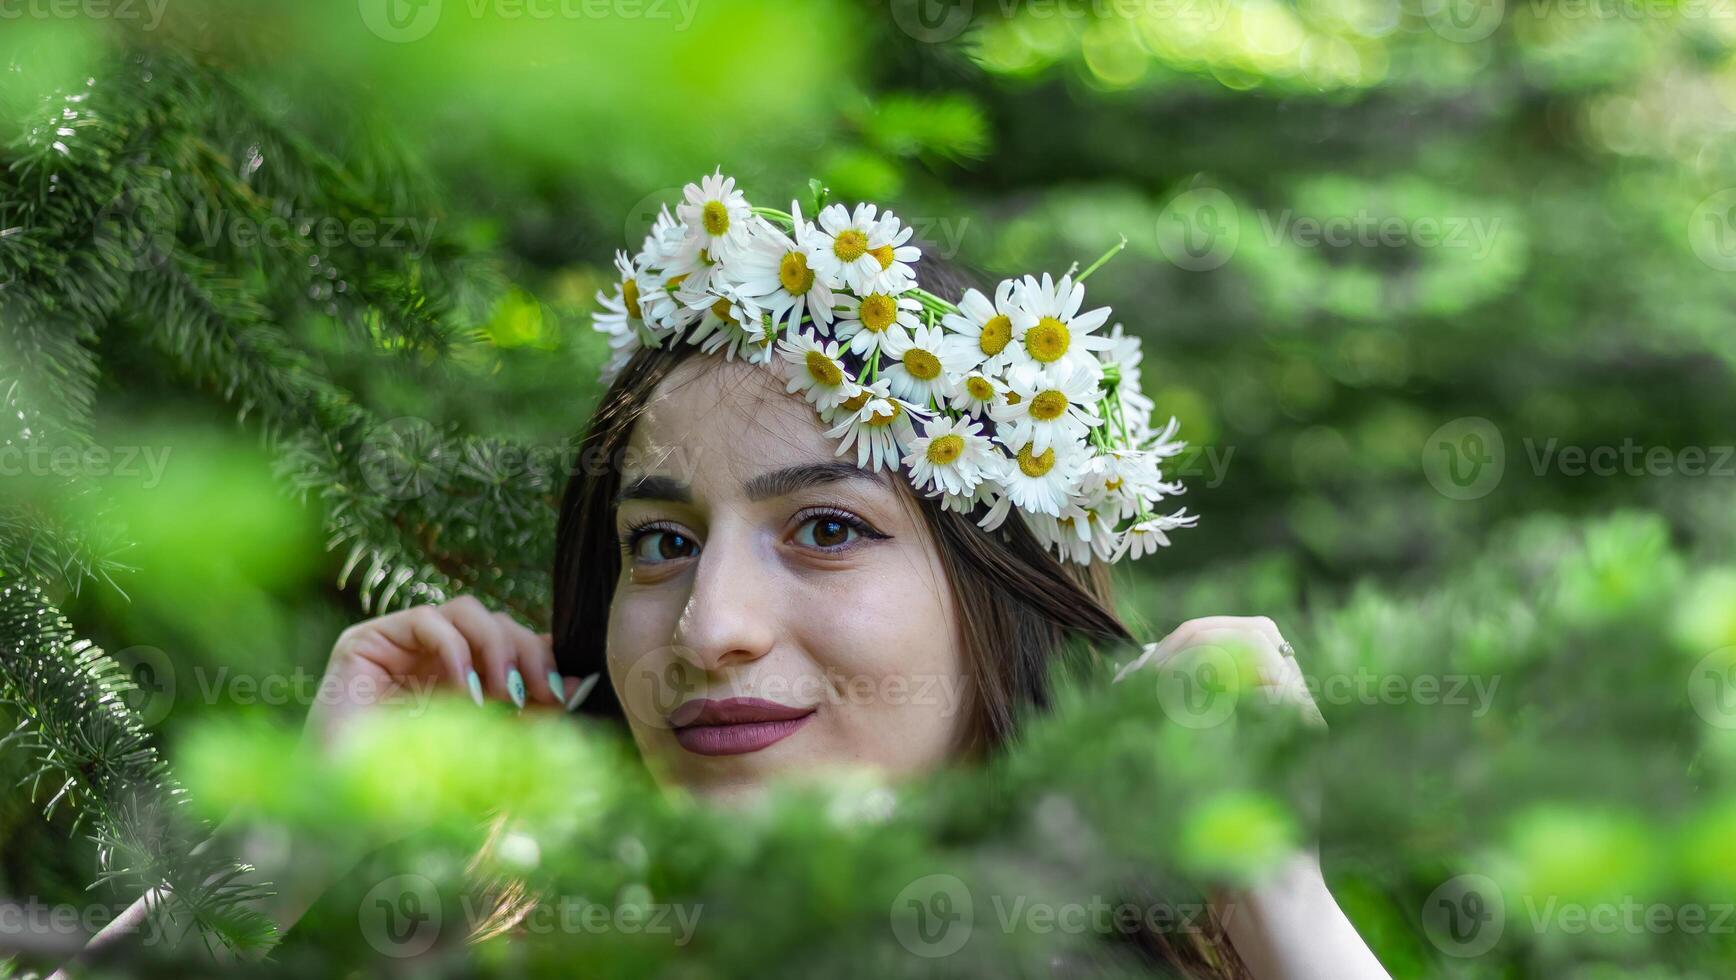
(1288, 926)
(404, 656)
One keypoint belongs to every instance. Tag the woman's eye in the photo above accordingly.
(826, 532)
(658, 544)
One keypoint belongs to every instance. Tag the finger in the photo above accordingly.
(1213, 630)
(578, 689)
(494, 656)
(424, 631)
(536, 658)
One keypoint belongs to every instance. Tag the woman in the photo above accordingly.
(759, 606)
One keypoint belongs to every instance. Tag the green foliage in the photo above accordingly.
(418, 401)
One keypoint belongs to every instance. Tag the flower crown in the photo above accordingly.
(1021, 400)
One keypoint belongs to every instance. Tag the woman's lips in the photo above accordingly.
(734, 726)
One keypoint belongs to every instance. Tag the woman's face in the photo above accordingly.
(779, 611)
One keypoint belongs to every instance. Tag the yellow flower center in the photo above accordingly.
(882, 419)
(979, 387)
(878, 311)
(794, 274)
(705, 257)
(1048, 340)
(721, 308)
(1035, 466)
(630, 296)
(849, 245)
(855, 402)
(944, 449)
(996, 334)
(824, 370)
(922, 365)
(1013, 398)
(675, 282)
(1113, 483)
(884, 255)
(1048, 405)
(715, 218)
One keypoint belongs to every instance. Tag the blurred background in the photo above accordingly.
(1441, 292)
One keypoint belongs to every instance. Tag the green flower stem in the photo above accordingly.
(1106, 256)
(781, 217)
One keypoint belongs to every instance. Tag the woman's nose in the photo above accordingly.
(731, 613)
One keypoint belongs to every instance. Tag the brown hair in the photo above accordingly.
(1020, 609)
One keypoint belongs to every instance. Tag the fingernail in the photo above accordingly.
(515, 686)
(558, 686)
(584, 690)
(476, 688)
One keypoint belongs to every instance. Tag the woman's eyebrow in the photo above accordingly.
(782, 483)
(653, 486)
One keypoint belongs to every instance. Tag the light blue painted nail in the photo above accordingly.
(557, 685)
(584, 691)
(476, 688)
(515, 686)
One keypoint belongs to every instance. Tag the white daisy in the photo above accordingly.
(1048, 325)
(1122, 482)
(950, 456)
(622, 313)
(662, 241)
(1043, 482)
(1044, 406)
(717, 214)
(1147, 536)
(736, 326)
(984, 329)
(988, 491)
(773, 270)
(976, 393)
(1123, 353)
(862, 250)
(1078, 535)
(866, 322)
(922, 368)
(816, 370)
(879, 429)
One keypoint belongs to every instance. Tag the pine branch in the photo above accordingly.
(90, 752)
